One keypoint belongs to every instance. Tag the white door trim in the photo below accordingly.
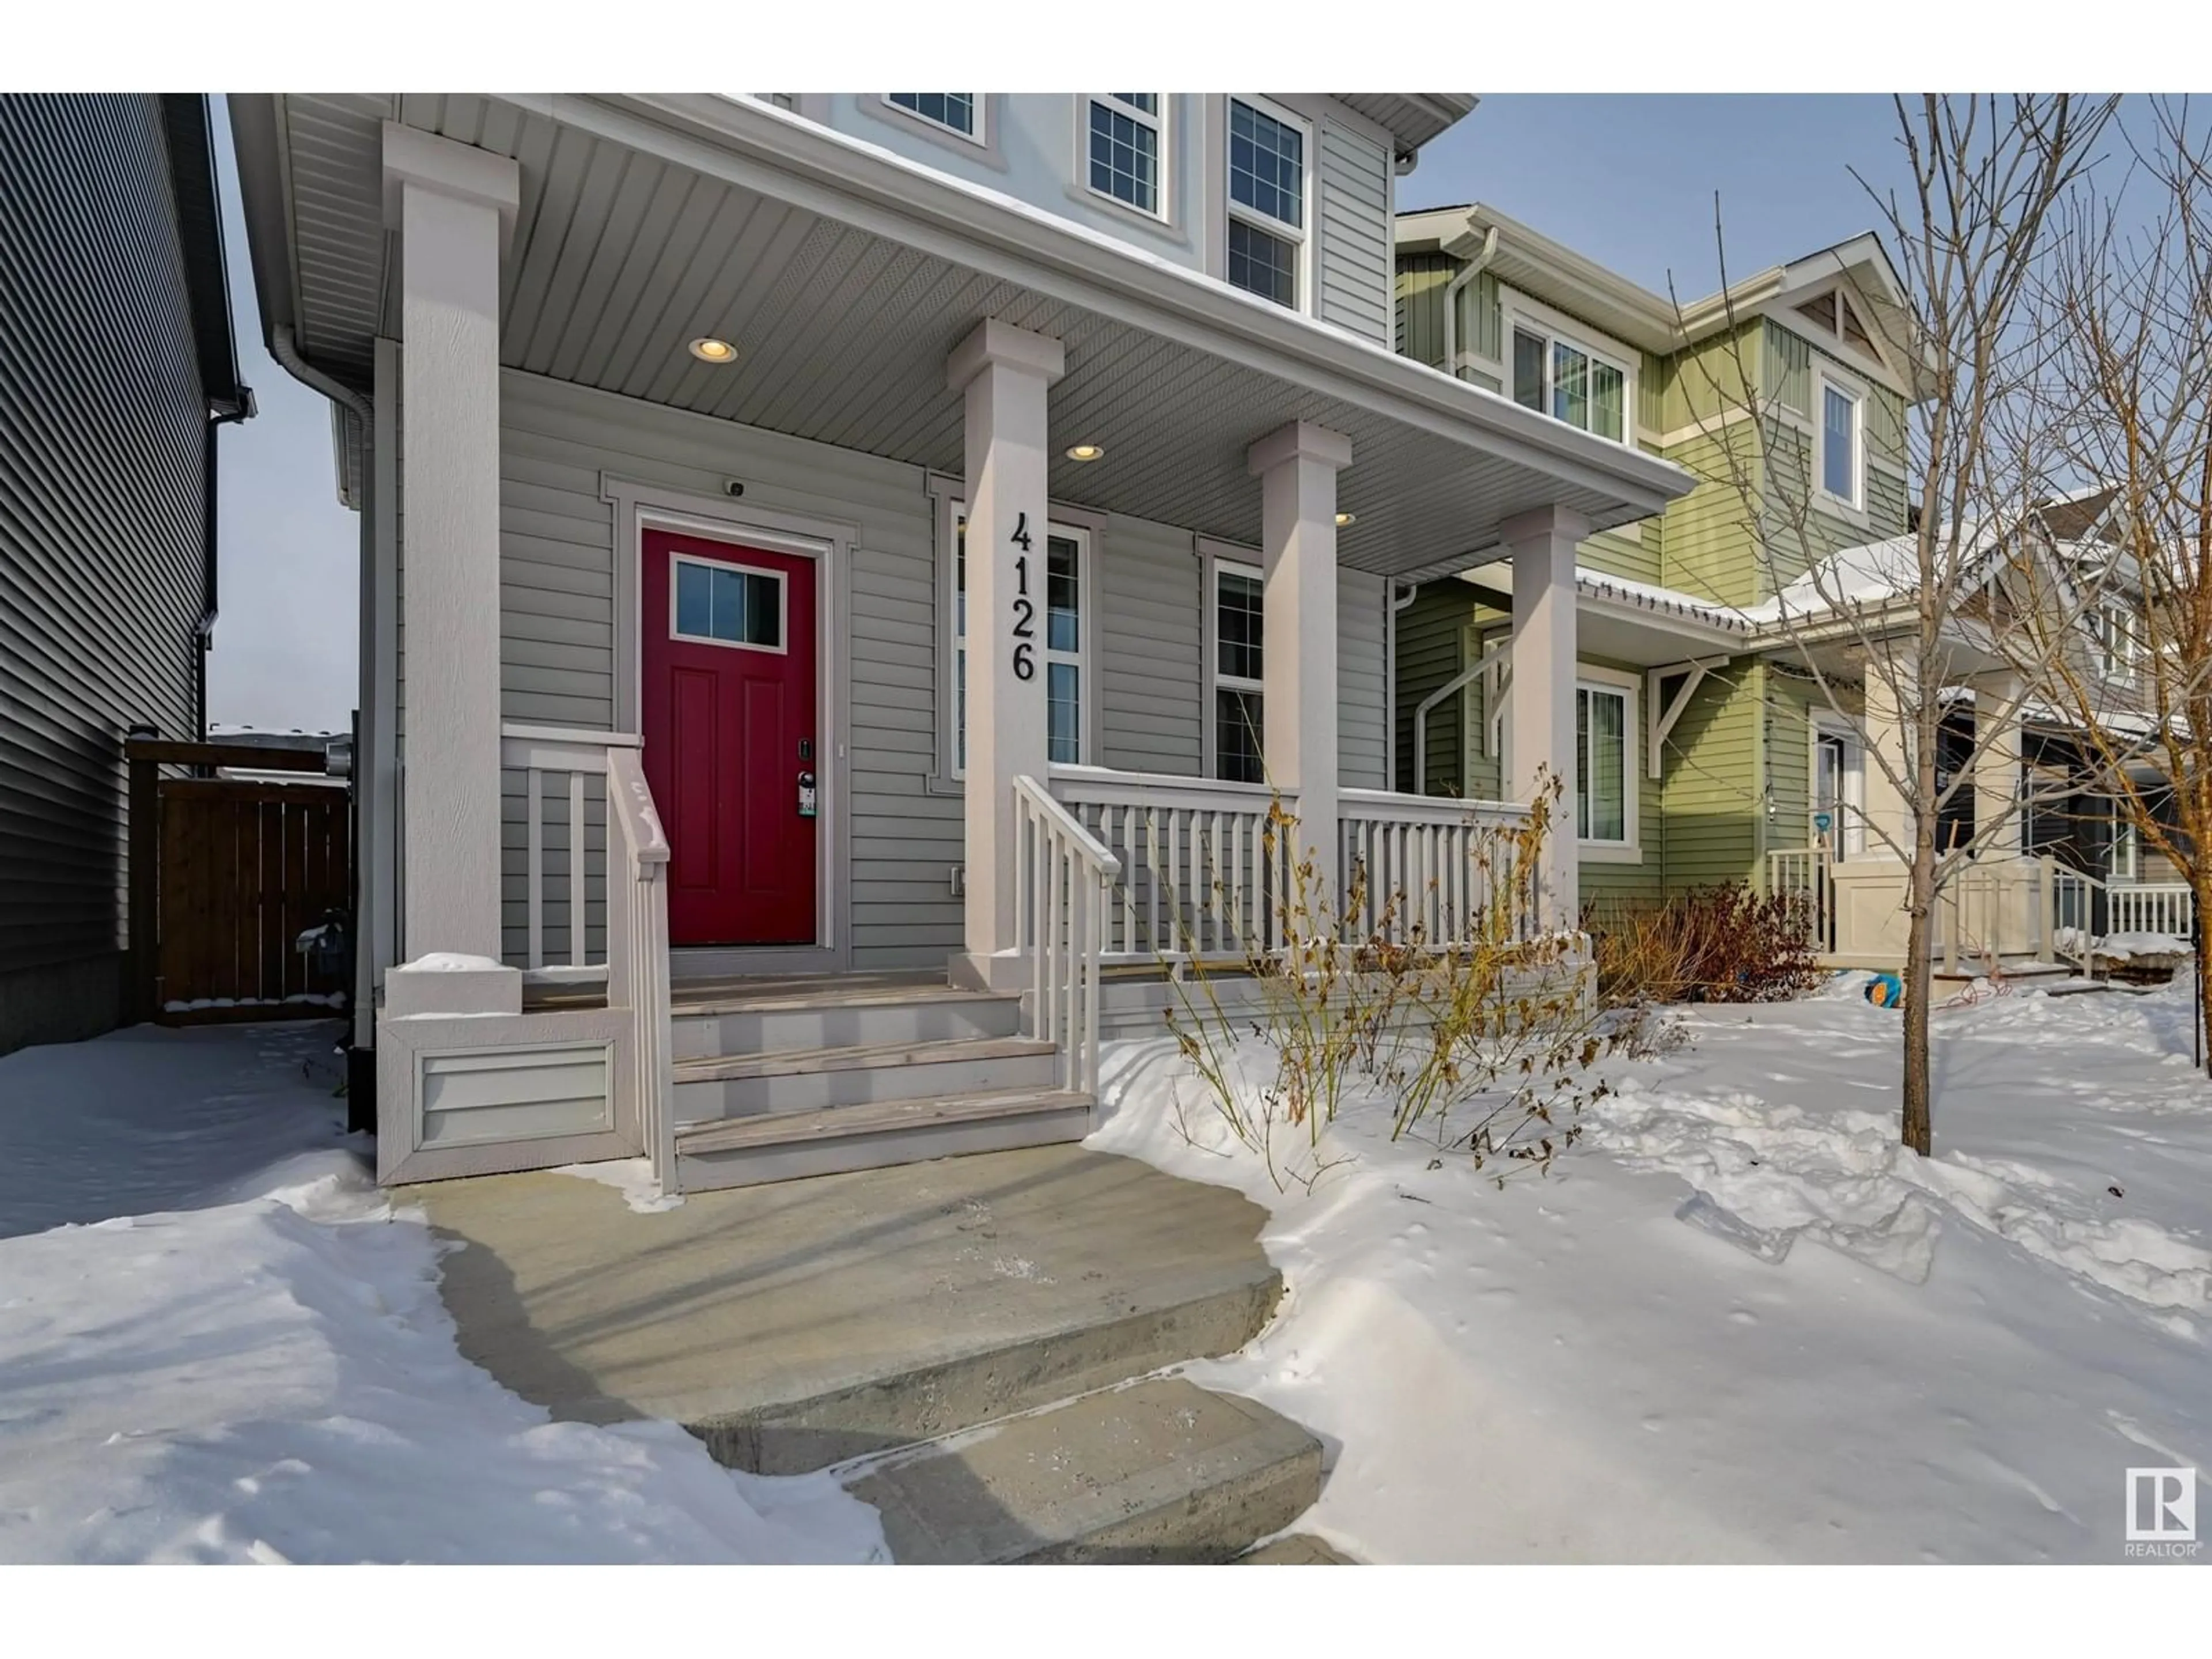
(638, 506)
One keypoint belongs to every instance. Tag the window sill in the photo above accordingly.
(1841, 507)
(1607, 852)
(1161, 225)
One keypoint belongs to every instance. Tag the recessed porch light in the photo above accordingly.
(1344, 518)
(708, 349)
(1086, 451)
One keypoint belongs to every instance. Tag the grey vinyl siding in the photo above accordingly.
(101, 515)
(1362, 709)
(1352, 209)
(556, 633)
(1429, 632)
(557, 643)
(1152, 619)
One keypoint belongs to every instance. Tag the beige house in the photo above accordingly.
(842, 574)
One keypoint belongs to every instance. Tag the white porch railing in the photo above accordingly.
(1197, 877)
(1062, 879)
(2148, 907)
(1801, 873)
(596, 832)
(1434, 869)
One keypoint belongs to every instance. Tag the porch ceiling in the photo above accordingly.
(644, 224)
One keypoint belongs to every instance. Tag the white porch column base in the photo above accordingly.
(1297, 466)
(1005, 372)
(1996, 767)
(1542, 544)
(452, 206)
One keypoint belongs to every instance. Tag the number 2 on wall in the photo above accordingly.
(1024, 607)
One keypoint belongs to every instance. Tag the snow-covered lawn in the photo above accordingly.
(217, 1343)
(1737, 1322)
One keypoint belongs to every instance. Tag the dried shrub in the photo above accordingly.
(1482, 1041)
(1718, 944)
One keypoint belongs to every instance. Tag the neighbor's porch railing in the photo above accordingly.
(595, 897)
(1062, 877)
(1802, 873)
(2149, 908)
(1434, 869)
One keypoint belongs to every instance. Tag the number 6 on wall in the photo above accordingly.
(1024, 663)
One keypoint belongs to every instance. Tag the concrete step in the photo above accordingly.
(785, 1146)
(1298, 1549)
(1160, 1471)
(782, 1020)
(737, 1085)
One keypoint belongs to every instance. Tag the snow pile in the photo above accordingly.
(272, 1376)
(2126, 947)
(1736, 1322)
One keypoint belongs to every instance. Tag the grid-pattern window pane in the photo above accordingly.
(1607, 387)
(1063, 713)
(1125, 157)
(1267, 165)
(1063, 597)
(1263, 264)
(1838, 443)
(1147, 101)
(1236, 728)
(956, 110)
(1602, 772)
(1237, 619)
(1569, 386)
(1527, 369)
(735, 606)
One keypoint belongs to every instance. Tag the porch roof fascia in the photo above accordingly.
(788, 158)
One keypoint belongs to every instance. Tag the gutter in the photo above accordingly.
(1467, 272)
(227, 412)
(788, 159)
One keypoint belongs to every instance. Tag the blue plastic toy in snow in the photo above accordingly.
(1885, 990)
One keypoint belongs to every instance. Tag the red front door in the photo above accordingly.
(730, 748)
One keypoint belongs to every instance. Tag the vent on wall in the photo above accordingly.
(515, 1094)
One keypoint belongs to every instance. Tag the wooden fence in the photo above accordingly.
(226, 874)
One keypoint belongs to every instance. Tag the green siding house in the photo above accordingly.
(1700, 752)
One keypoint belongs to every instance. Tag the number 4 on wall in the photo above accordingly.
(1021, 537)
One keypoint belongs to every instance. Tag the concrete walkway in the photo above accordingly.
(797, 1325)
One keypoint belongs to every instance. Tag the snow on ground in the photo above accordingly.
(1737, 1322)
(218, 1344)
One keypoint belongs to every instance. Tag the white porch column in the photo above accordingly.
(1297, 466)
(452, 206)
(1889, 692)
(1541, 735)
(1997, 766)
(1005, 372)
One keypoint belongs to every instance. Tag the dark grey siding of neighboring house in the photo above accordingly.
(102, 424)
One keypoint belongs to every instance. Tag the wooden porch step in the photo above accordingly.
(882, 1117)
(866, 1056)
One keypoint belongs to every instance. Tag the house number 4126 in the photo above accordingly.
(1024, 607)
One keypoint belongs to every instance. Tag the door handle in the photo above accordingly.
(807, 795)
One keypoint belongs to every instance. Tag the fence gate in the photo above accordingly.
(227, 872)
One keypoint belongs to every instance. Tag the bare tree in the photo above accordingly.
(1974, 219)
(2128, 308)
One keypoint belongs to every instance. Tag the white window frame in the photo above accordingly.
(783, 648)
(979, 102)
(1590, 677)
(2116, 665)
(1303, 235)
(1606, 682)
(2124, 835)
(1847, 839)
(952, 510)
(1160, 211)
(1244, 562)
(1824, 380)
(1519, 313)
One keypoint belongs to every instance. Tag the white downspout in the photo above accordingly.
(1467, 274)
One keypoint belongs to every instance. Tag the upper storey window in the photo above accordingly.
(1266, 201)
(955, 112)
(1569, 382)
(1123, 149)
